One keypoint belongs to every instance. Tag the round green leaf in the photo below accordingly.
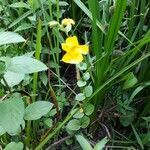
(80, 97)
(84, 122)
(86, 76)
(88, 109)
(81, 83)
(37, 109)
(82, 66)
(88, 91)
(73, 124)
(78, 114)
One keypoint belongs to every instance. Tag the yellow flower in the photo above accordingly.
(73, 50)
(67, 21)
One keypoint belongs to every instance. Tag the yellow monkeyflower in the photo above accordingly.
(67, 21)
(73, 50)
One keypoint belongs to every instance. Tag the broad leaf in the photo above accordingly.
(11, 114)
(14, 146)
(10, 37)
(13, 78)
(24, 64)
(37, 109)
(2, 131)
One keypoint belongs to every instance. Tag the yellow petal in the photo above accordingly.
(66, 47)
(72, 58)
(72, 41)
(83, 49)
(68, 21)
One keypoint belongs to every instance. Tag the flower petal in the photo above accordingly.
(72, 58)
(72, 41)
(83, 49)
(67, 21)
(66, 47)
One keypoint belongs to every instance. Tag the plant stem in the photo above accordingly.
(37, 55)
(42, 143)
(6, 84)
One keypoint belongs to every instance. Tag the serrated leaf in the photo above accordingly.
(10, 37)
(24, 64)
(37, 109)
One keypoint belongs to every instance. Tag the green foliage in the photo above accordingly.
(14, 146)
(84, 143)
(10, 37)
(12, 112)
(36, 110)
(106, 93)
(80, 97)
(73, 124)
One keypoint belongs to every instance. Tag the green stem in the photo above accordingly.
(37, 56)
(69, 116)
(6, 84)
